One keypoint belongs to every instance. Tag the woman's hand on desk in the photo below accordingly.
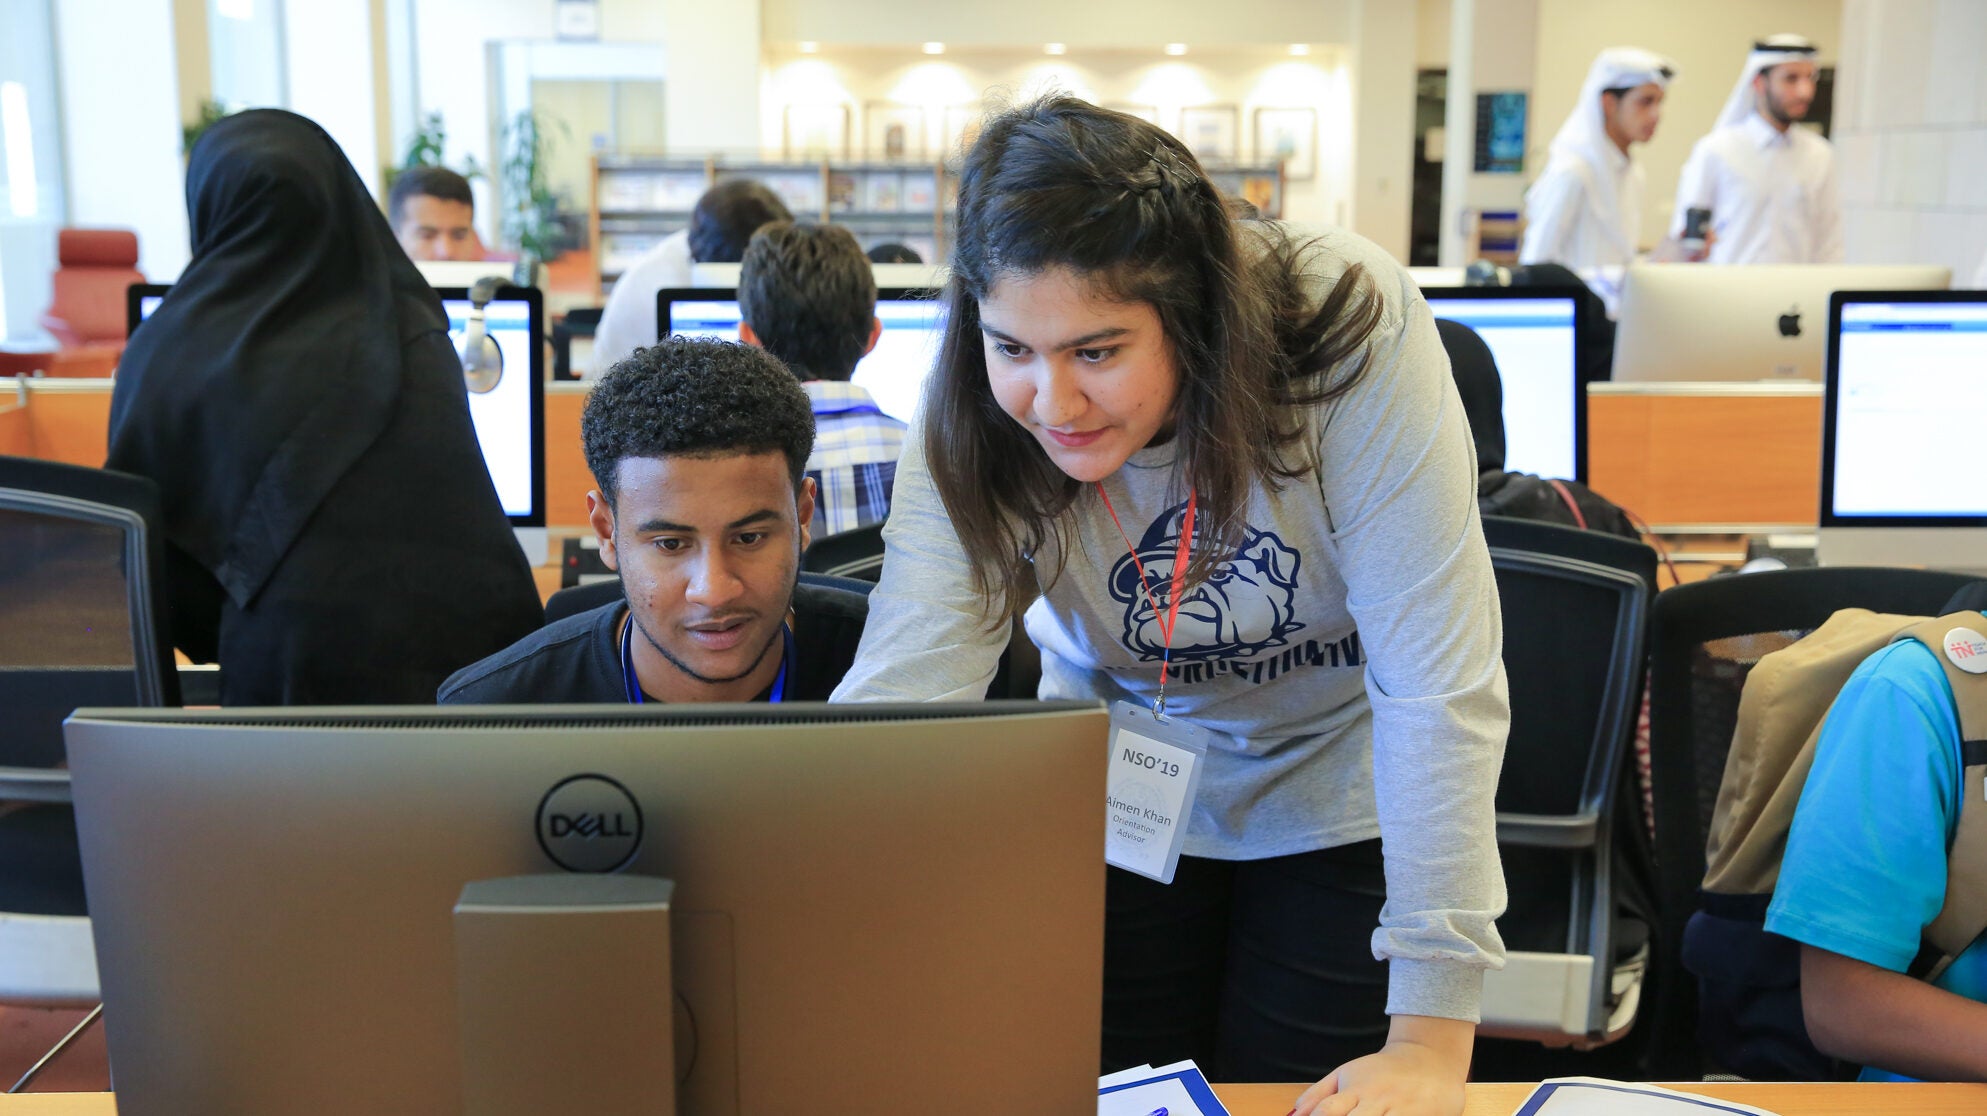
(1420, 1072)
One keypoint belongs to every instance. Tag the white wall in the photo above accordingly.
(1911, 137)
(1500, 36)
(1383, 130)
(1708, 39)
(1101, 24)
(120, 125)
(328, 53)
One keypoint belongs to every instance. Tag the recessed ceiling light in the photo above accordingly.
(934, 48)
(1299, 50)
(810, 48)
(1176, 49)
(1055, 48)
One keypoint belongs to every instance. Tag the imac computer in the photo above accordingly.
(876, 908)
(1740, 323)
(893, 373)
(1534, 333)
(509, 417)
(1905, 401)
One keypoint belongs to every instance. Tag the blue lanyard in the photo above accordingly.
(633, 688)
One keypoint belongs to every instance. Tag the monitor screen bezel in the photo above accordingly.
(668, 296)
(134, 302)
(1577, 296)
(534, 301)
(1831, 382)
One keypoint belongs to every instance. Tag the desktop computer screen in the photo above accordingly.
(893, 373)
(509, 418)
(872, 902)
(1534, 334)
(1905, 400)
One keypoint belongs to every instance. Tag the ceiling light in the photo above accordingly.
(810, 48)
(1176, 49)
(934, 48)
(1299, 50)
(1055, 48)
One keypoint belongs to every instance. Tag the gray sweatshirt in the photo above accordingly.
(1347, 662)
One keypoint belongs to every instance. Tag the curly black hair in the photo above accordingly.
(695, 397)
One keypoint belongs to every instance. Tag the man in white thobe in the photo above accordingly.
(1585, 210)
(1770, 186)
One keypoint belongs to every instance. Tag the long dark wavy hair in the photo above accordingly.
(1063, 183)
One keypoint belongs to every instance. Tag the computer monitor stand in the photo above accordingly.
(564, 996)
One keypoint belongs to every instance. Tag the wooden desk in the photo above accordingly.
(1696, 454)
(1484, 1100)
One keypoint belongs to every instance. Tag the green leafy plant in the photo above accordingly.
(424, 149)
(211, 112)
(530, 208)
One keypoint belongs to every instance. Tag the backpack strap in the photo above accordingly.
(1964, 917)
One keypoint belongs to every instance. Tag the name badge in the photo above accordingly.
(1155, 769)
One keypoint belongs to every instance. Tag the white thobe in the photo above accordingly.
(628, 320)
(1563, 224)
(1772, 194)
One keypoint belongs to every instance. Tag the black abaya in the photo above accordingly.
(332, 532)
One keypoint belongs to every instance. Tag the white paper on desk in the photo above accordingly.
(1178, 1089)
(1594, 1096)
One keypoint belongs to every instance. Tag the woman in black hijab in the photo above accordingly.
(332, 533)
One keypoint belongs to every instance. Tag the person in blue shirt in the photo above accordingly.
(1865, 874)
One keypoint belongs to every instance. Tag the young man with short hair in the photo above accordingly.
(703, 507)
(807, 295)
(721, 225)
(1770, 186)
(1585, 210)
(434, 215)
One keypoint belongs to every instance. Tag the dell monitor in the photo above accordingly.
(509, 417)
(1905, 401)
(1743, 322)
(876, 907)
(894, 371)
(1534, 334)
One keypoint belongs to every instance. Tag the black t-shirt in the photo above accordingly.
(578, 659)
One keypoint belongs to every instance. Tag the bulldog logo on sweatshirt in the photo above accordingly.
(1247, 607)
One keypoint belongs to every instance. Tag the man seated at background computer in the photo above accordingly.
(721, 225)
(807, 295)
(434, 215)
(699, 449)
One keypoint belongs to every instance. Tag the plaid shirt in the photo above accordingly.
(854, 464)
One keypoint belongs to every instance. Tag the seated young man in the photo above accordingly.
(703, 507)
(434, 215)
(1865, 874)
(807, 295)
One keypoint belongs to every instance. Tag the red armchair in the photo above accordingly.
(96, 267)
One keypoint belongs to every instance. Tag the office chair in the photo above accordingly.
(1575, 604)
(84, 627)
(1705, 637)
(857, 553)
(95, 268)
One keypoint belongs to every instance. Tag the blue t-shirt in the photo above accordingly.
(1865, 870)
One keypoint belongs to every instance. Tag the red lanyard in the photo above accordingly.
(1181, 554)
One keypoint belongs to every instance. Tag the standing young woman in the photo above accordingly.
(1131, 383)
(333, 536)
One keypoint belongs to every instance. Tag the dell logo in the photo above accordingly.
(589, 823)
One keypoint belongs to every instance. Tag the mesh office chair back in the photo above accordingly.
(82, 627)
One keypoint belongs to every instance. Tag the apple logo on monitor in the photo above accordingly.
(1790, 323)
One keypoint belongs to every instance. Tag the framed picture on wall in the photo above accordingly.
(1147, 113)
(817, 131)
(962, 127)
(893, 133)
(1212, 132)
(1289, 134)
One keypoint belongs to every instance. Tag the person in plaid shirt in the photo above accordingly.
(806, 294)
